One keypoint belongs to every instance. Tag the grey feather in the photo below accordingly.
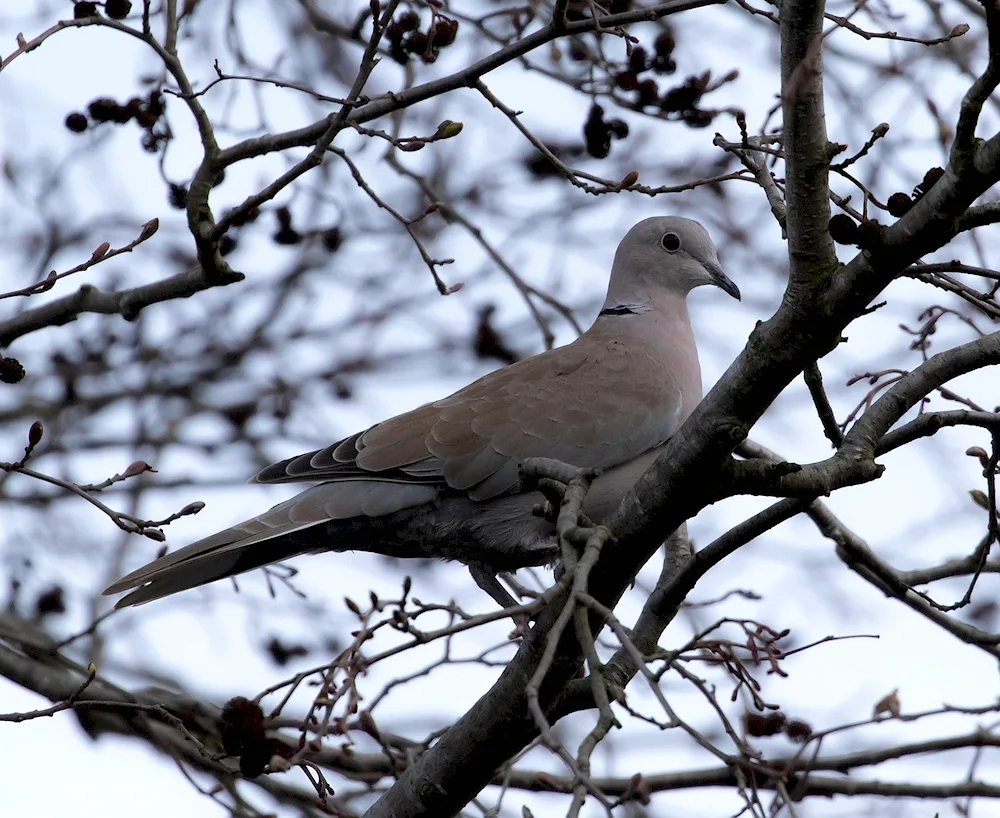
(442, 480)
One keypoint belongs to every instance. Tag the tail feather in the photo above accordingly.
(198, 565)
(297, 526)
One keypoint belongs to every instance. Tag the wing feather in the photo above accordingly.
(568, 403)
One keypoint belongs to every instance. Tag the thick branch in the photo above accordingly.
(930, 423)
(807, 161)
(859, 557)
(963, 149)
(805, 785)
(126, 303)
(854, 462)
(872, 427)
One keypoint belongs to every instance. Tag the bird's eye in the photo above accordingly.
(671, 242)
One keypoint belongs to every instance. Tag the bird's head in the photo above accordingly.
(666, 253)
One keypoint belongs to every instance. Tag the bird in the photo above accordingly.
(442, 480)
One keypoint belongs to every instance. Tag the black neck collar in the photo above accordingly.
(624, 309)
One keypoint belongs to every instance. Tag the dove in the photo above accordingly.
(442, 480)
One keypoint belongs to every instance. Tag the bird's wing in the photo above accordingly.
(595, 403)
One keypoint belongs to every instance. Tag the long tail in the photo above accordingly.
(222, 555)
(300, 525)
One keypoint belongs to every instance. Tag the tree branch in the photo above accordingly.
(126, 303)
(811, 256)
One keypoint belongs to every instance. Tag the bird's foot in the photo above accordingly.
(487, 580)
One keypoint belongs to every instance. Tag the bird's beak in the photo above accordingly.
(721, 280)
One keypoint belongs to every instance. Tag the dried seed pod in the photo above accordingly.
(11, 370)
(844, 230)
(763, 724)
(76, 122)
(899, 204)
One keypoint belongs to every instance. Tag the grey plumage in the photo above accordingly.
(442, 481)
